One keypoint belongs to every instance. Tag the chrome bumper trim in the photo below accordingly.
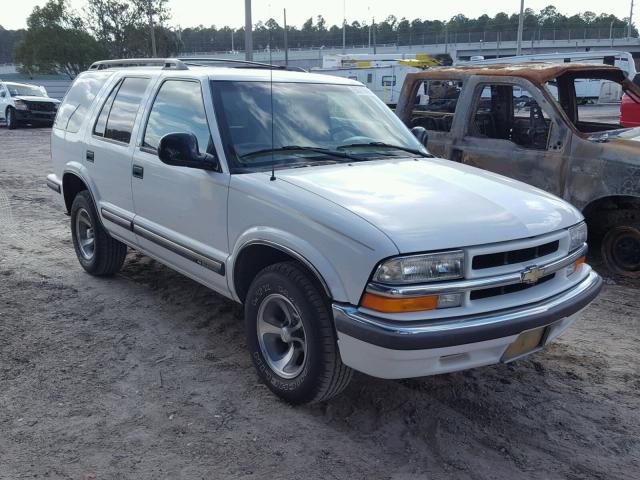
(452, 331)
(53, 183)
(400, 291)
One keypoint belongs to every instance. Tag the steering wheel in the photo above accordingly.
(341, 133)
(357, 139)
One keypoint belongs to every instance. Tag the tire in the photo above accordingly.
(288, 296)
(98, 253)
(10, 117)
(621, 243)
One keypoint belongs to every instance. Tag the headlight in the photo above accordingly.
(21, 105)
(577, 236)
(421, 268)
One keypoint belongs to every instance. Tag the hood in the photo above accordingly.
(434, 204)
(29, 98)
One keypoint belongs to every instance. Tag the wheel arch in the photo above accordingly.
(595, 212)
(72, 184)
(254, 255)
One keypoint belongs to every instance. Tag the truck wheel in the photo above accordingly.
(621, 244)
(290, 336)
(11, 119)
(98, 253)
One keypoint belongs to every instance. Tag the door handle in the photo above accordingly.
(90, 156)
(138, 171)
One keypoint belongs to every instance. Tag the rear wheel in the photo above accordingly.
(290, 336)
(98, 252)
(621, 244)
(11, 118)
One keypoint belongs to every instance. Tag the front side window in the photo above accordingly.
(435, 103)
(340, 119)
(510, 112)
(119, 112)
(178, 108)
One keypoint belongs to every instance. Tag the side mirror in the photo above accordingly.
(181, 150)
(3, 94)
(421, 134)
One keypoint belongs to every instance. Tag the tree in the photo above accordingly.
(56, 41)
(123, 26)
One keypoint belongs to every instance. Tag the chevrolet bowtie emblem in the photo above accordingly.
(531, 275)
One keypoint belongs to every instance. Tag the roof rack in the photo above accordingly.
(184, 63)
(237, 63)
(165, 63)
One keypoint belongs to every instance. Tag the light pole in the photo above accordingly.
(344, 26)
(232, 47)
(248, 32)
(631, 19)
(152, 31)
(520, 28)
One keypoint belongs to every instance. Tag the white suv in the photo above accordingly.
(22, 103)
(305, 198)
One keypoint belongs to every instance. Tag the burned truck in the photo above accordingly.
(525, 122)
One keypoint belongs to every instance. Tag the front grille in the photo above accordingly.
(501, 259)
(42, 106)
(516, 287)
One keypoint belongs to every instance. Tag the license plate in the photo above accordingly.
(526, 343)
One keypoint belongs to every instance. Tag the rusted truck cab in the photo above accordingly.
(526, 122)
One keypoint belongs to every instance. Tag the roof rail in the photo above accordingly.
(165, 63)
(236, 63)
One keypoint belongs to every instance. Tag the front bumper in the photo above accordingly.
(33, 116)
(392, 349)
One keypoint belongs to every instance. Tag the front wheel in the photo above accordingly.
(11, 119)
(290, 336)
(621, 246)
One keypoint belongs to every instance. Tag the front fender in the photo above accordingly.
(294, 246)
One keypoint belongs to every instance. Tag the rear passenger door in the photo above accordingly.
(109, 152)
(433, 106)
(181, 213)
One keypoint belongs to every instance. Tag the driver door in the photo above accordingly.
(512, 129)
(181, 213)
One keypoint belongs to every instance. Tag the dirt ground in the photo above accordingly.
(145, 376)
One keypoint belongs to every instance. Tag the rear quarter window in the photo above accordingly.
(78, 100)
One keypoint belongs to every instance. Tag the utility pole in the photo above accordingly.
(631, 19)
(520, 28)
(152, 32)
(232, 46)
(344, 26)
(248, 32)
(373, 24)
(286, 43)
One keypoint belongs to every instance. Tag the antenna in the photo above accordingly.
(273, 164)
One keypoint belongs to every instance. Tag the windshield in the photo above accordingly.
(24, 90)
(312, 124)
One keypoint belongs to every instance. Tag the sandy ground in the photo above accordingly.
(145, 376)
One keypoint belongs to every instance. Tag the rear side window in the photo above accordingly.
(119, 111)
(77, 102)
(178, 108)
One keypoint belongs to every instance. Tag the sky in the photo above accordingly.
(187, 13)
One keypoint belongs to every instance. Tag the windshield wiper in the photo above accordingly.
(385, 145)
(298, 148)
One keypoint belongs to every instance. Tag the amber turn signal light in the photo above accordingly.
(399, 305)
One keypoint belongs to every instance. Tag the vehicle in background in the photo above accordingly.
(629, 112)
(526, 122)
(21, 103)
(587, 90)
(305, 198)
(383, 74)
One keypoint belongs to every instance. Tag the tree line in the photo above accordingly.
(60, 40)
